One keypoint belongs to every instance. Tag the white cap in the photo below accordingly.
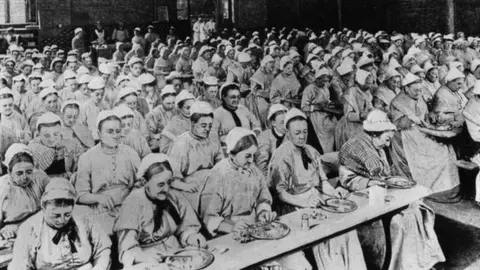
(168, 89)
(69, 74)
(82, 70)
(344, 69)
(416, 69)
(276, 108)
(474, 64)
(409, 79)
(292, 113)
(448, 37)
(70, 102)
(6, 91)
(13, 150)
(47, 83)
(391, 72)
(397, 37)
(104, 115)
(336, 50)
(103, 68)
(201, 107)
(453, 74)
(96, 83)
(284, 61)
(327, 57)
(20, 77)
(216, 58)
(38, 65)
(123, 110)
(210, 80)
(346, 53)
(134, 60)
(148, 161)
(85, 78)
(183, 95)
(78, 30)
(428, 66)
(235, 135)
(244, 57)
(455, 64)
(48, 118)
(364, 60)
(322, 72)
(47, 91)
(35, 75)
(419, 41)
(125, 92)
(361, 76)
(146, 78)
(377, 121)
(312, 56)
(120, 79)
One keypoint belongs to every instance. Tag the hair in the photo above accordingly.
(59, 203)
(157, 168)
(154, 83)
(244, 143)
(20, 157)
(110, 118)
(375, 134)
(72, 106)
(195, 117)
(294, 119)
(54, 124)
(182, 103)
(45, 97)
(5, 96)
(128, 116)
(227, 88)
(274, 116)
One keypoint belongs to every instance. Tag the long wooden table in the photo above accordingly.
(240, 255)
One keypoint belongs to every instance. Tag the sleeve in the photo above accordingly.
(264, 153)
(211, 201)
(190, 224)
(143, 126)
(83, 184)
(231, 78)
(101, 245)
(216, 127)
(165, 144)
(23, 250)
(264, 199)
(307, 99)
(399, 119)
(128, 246)
(178, 66)
(275, 94)
(473, 130)
(352, 181)
(255, 124)
(350, 113)
(279, 173)
(178, 154)
(91, 120)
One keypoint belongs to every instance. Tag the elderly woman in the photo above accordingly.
(431, 78)
(210, 92)
(241, 72)
(129, 96)
(106, 172)
(229, 59)
(163, 65)
(184, 64)
(258, 101)
(356, 106)
(149, 91)
(93, 106)
(48, 101)
(35, 79)
(285, 87)
(160, 116)
(448, 102)
(71, 129)
(11, 119)
(416, 154)
(54, 239)
(193, 154)
(231, 114)
(215, 69)
(412, 240)
(179, 123)
(201, 64)
(387, 91)
(315, 99)
(129, 135)
(53, 153)
(155, 220)
(20, 189)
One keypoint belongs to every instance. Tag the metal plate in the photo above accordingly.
(399, 183)
(336, 205)
(201, 258)
(269, 231)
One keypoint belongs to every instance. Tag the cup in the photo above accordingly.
(377, 195)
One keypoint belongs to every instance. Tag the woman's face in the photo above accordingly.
(159, 185)
(288, 69)
(168, 103)
(149, 88)
(70, 116)
(97, 96)
(414, 91)
(394, 82)
(177, 85)
(298, 132)
(110, 133)
(136, 69)
(131, 101)
(34, 86)
(127, 125)
(27, 70)
(105, 77)
(71, 65)
(186, 53)
(323, 82)
(421, 75)
(212, 91)
(432, 75)
(383, 140)
(231, 54)
(216, 65)
(57, 217)
(22, 173)
(185, 110)
(58, 67)
(244, 158)
(456, 85)
(203, 127)
(279, 123)
(6, 106)
(207, 55)
(51, 102)
(126, 69)
(123, 83)
(270, 66)
(71, 83)
(232, 99)
(50, 136)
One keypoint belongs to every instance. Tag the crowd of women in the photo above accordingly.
(126, 161)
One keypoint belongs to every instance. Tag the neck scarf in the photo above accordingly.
(237, 121)
(306, 160)
(160, 207)
(70, 230)
(279, 138)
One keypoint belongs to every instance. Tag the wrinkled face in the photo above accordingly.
(288, 69)
(232, 98)
(22, 173)
(34, 85)
(10, 66)
(212, 91)
(203, 127)
(456, 85)
(383, 140)
(136, 69)
(177, 85)
(57, 217)
(168, 103)
(50, 136)
(432, 75)
(414, 90)
(71, 83)
(159, 185)
(245, 158)
(279, 123)
(70, 116)
(110, 133)
(51, 102)
(58, 67)
(27, 70)
(127, 125)
(131, 101)
(6, 106)
(394, 82)
(298, 132)
(97, 96)
(185, 110)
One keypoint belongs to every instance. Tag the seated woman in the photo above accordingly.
(129, 96)
(92, 107)
(416, 154)
(53, 153)
(235, 194)
(412, 240)
(193, 154)
(180, 122)
(48, 101)
(20, 189)
(56, 239)
(71, 129)
(299, 180)
(11, 119)
(155, 220)
(387, 91)
(129, 135)
(106, 172)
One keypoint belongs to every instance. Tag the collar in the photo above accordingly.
(108, 151)
(242, 170)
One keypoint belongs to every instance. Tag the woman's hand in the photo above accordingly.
(197, 240)
(314, 201)
(9, 232)
(376, 183)
(340, 192)
(240, 226)
(105, 201)
(266, 216)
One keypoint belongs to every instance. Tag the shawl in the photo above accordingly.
(410, 107)
(44, 156)
(81, 133)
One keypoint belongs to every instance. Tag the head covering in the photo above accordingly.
(123, 110)
(322, 72)
(146, 78)
(103, 68)
(336, 50)
(78, 30)
(361, 76)
(6, 91)
(428, 66)
(13, 150)
(183, 95)
(47, 91)
(134, 60)
(397, 37)
(210, 80)
(276, 108)
(364, 60)
(35, 75)
(48, 83)
(409, 79)
(244, 57)
(285, 61)
(48, 118)
(58, 188)
(292, 113)
(312, 56)
(168, 89)
(391, 72)
(267, 59)
(344, 68)
(69, 102)
(104, 115)
(235, 135)
(96, 83)
(125, 92)
(416, 68)
(173, 75)
(448, 37)
(346, 53)
(120, 79)
(69, 74)
(38, 65)
(474, 64)
(85, 78)
(201, 107)
(20, 77)
(216, 58)
(71, 59)
(453, 74)
(148, 161)
(377, 121)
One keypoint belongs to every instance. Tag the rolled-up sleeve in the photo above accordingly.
(211, 202)
(23, 250)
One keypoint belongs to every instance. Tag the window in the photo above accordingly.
(182, 10)
(18, 11)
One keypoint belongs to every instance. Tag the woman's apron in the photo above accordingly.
(198, 178)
